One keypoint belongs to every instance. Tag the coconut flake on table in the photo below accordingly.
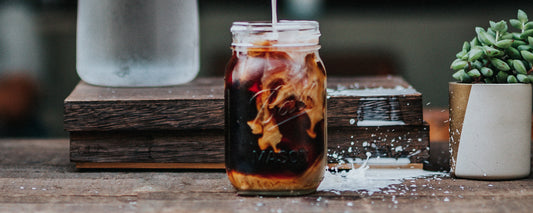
(378, 91)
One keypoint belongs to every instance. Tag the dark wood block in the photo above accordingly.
(208, 146)
(148, 146)
(200, 105)
(183, 126)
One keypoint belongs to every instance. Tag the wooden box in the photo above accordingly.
(183, 126)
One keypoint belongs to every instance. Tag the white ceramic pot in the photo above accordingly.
(490, 130)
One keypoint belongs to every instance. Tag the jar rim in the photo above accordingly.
(281, 26)
(285, 33)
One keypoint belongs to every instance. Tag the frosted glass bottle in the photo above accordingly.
(137, 43)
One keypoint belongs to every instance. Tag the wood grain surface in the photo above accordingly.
(204, 146)
(200, 105)
(36, 176)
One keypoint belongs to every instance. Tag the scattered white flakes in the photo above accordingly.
(446, 199)
(349, 204)
(490, 185)
(398, 149)
(33, 188)
(352, 121)
(22, 187)
(259, 204)
(365, 144)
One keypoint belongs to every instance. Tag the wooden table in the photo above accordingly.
(36, 175)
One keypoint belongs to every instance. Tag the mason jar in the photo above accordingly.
(275, 109)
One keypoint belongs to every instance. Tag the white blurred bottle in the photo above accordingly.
(137, 43)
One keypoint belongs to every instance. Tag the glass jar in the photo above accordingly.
(275, 109)
(137, 43)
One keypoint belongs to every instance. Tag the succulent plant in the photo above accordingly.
(497, 55)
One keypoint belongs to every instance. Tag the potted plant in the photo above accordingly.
(490, 105)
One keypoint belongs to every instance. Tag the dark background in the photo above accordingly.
(414, 39)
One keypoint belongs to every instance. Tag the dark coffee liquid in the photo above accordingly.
(273, 124)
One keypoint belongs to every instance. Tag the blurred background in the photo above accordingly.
(416, 39)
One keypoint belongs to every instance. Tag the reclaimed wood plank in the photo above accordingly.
(200, 105)
(208, 146)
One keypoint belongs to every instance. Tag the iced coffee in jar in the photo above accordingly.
(275, 109)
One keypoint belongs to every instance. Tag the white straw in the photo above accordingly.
(274, 18)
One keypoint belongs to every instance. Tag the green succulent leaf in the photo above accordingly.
(486, 38)
(499, 64)
(530, 40)
(507, 36)
(516, 23)
(504, 44)
(501, 77)
(461, 76)
(476, 64)
(523, 78)
(512, 79)
(479, 30)
(474, 42)
(458, 64)
(528, 56)
(492, 24)
(529, 25)
(488, 80)
(466, 46)
(517, 43)
(462, 54)
(524, 47)
(522, 16)
(530, 78)
(474, 73)
(474, 54)
(516, 35)
(491, 32)
(500, 26)
(512, 52)
(491, 51)
(526, 33)
(519, 67)
(487, 72)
